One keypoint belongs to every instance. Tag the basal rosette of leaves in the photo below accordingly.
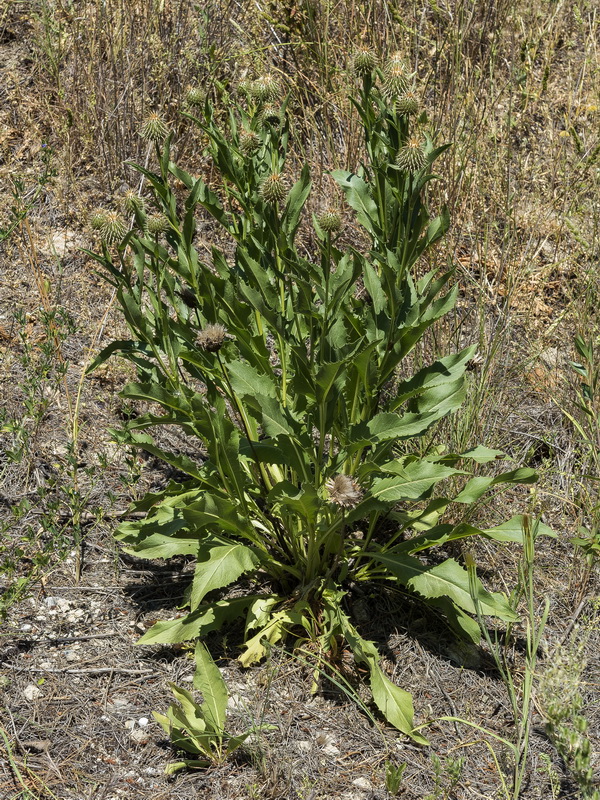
(304, 382)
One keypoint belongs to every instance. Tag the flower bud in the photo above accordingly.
(330, 221)
(364, 61)
(195, 96)
(97, 219)
(157, 224)
(272, 115)
(407, 103)
(249, 142)
(395, 78)
(113, 228)
(154, 128)
(412, 156)
(265, 89)
(272, 189)
(131, 202)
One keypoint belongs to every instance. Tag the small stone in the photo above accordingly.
(51, 602)
(130, 724)
(71, 656)
(235, 701)
(327, 744)
(31, 692)
(304, 746)
(45, 664)
(139, 736)
(363, 783)
(119, 702)
(143, 721)
(26, 627)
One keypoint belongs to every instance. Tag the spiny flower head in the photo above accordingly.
(344, 491)
(265, 89)
(412, 156)
(211, 337)
(195, 96)
(330, 220)
(407, 103)
(113, 228)
(249, 142)
(395, 78)
(154, 128)
(364, 61)
(97, 219)
(272, 115)
(157, 224)
(272, 189)
(131, 202)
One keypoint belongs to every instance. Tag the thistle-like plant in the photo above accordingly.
(293, 375)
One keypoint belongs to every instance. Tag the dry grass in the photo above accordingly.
(514, 85)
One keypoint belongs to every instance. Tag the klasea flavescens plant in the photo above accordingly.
(291, 371)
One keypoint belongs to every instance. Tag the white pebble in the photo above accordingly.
(362, 783)
(26, 627)
(143, 721)
(31, 692)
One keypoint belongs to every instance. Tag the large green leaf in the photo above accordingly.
(208, 680)
(145, 442)
(198, 623)
(246, 380)
(303, 500)
(386, 426)
(395, 703)
(447, 579)
(359, 198)
(220, 566)
(441, 373)
(411, 482)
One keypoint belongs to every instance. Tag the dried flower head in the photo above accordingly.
(412, 156)
(131, 202)
(395, 78)
(344, 491)
(195, 96)
(113, 228)
(265, 89)
(272, 189)
(154, 128)
(212, 337)
(407, 103)
(157, 224)
(97, 219)
(364, 61)
(330, 220)
(272, 115)
(249, 142)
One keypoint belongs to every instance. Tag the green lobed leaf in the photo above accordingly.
(219, 566)
(198, 623)
(246, 380)
(209, 681)
(411, 482)
(303, 500)
(447, 579)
